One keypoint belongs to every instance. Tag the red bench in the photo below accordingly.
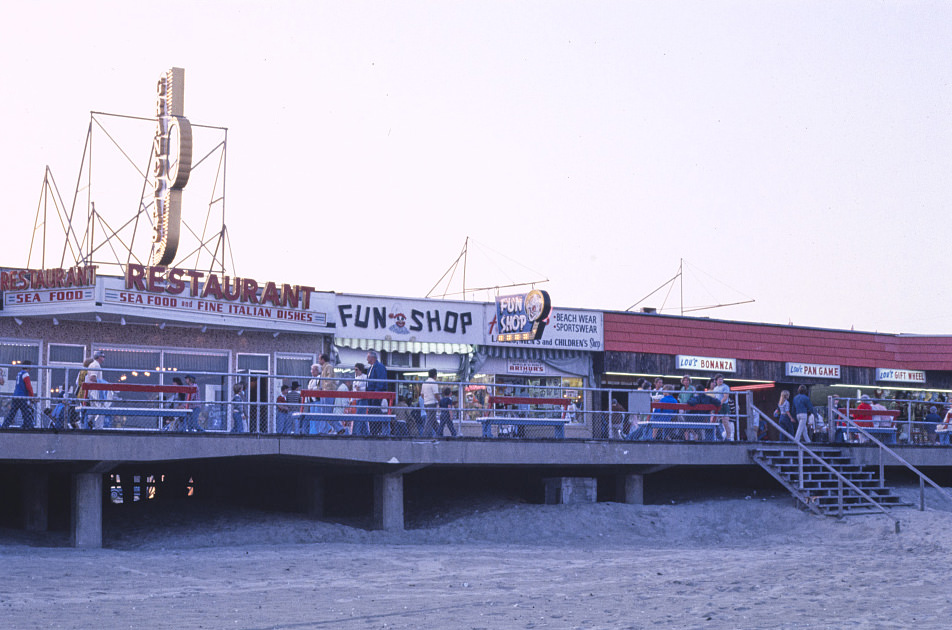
(864, 419)
(658, 406)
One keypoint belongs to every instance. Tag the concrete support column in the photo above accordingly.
(569, 490)
(388, 502)
(311, 495)
(631, 489)
(36, 500)
(87, 510)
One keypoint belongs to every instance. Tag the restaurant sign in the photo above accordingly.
(900, 376)
(47, 287)
(205, 296)
(812, 370)
(705, 364)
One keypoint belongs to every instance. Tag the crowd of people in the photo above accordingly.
(654, 403)
(362, 405)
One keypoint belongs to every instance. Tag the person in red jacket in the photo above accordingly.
(22, 393)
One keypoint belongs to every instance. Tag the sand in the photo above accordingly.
(714, 562)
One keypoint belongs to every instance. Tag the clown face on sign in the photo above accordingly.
(399, 325)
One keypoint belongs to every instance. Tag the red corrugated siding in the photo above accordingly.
(658, 334)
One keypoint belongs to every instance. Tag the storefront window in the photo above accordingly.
(63, 379)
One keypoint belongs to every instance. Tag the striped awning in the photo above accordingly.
(398, 345)
(523, 352)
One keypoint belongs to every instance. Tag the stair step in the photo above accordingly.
(822, 490)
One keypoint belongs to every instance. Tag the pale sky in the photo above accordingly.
(795, 153)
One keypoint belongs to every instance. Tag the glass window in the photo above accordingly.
(196, 361)
(253, 362)
(17, 352)
(64, 353)
(294, 365)
(63, 379)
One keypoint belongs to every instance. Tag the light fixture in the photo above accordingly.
(241, 332)
(162, 326)
(98, 318)
(55, 322)
(275, 335)
(204, 328)
(18, 321)
(122, 320)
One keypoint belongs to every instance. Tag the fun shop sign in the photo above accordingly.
(399, 319)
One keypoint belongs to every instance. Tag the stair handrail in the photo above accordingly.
(883, 447)
(801, 448)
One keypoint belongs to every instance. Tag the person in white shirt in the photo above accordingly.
(430, 392)
(94, 375)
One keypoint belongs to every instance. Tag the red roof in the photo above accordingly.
(663, 334)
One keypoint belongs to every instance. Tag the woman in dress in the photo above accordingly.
(361, 427)
(787, 422)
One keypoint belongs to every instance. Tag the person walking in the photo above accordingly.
(803, 408)
(22, 393)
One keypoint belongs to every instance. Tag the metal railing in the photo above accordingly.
(841, 479)
(611, 414)
(838, 419)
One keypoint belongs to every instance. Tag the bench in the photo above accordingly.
(153, 412)
(661, 421)
(375, 418)
(687, 409)
(557, 424)
(708, 430)
(867, 416)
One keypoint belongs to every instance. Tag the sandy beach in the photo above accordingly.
(713, 562)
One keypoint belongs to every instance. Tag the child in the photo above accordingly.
(445, 403)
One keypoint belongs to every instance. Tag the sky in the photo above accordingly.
(791, 153)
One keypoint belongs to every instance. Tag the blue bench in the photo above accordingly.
(888, 433)
(557, 424)
(708, 429)
(943, 435)
(131, 411)
(301, 416)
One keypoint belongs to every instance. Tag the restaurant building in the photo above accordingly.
(156, 323)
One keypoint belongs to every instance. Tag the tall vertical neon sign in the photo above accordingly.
(172, 151)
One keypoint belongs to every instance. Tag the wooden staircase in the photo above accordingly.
(822, 492)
